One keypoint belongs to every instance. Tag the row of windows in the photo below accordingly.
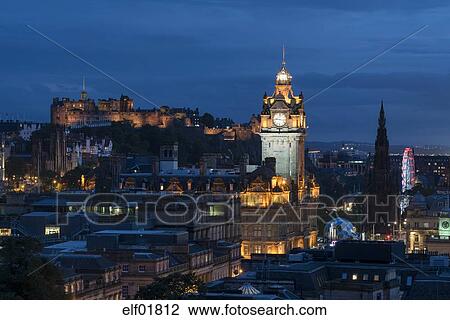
(201, 260)
(365, 277)
(257, 231)
(256, 248)
(126, 290)
(73, 287)
(223, 273)
(268, 230)
(159, 267)
(80, 285)
(215, 233)
(434, 225)
(112, 276)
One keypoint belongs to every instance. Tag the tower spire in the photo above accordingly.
(381, 167)
(382, 117)
(283, 76)
(84, 94)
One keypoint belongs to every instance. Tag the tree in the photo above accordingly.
(171, 287)
(192, 141)
(49, 180)
(72, 179)
(207, 120)
(26, 275)
(15, 166)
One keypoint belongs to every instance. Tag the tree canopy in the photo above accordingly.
(192, 142)
(172, 287)
(207, 120)
(26, 275)
(15, 166)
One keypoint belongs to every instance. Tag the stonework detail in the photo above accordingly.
(283, 129)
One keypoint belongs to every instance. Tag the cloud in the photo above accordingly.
(221, 56)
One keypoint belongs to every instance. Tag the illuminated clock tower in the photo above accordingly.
(283, 129)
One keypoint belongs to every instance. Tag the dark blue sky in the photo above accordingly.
(221, 55)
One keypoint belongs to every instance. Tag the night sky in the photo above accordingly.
(222, 55)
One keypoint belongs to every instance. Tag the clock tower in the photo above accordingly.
(283, 129)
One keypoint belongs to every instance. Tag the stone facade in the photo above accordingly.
(86, 112)
(283, 129)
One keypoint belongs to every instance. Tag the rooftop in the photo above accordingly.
(192, 172)
(68, 245)
(39, 214)
(143, 232)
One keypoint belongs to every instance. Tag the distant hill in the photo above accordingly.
(370, 147)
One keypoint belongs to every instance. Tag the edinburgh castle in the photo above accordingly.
(86, 112)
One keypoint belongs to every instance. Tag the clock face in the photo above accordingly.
(279, 119)
(445, 224)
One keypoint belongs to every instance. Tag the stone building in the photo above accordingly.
(382, 209)
(86, 112)
(427, 224)
(270, 214)
(283, 130)
(88, 276)
(271, 223)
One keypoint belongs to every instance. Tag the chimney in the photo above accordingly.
(202, 165)
(243, 164)
(168, 157)
(270, 162)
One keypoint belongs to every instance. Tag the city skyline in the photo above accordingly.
(226, 150)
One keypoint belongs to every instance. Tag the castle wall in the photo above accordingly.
(62, 116)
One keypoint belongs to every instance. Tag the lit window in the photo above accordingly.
(52, 230)
(344, 276)
(354, 277)
(5, 232)
(246, 251)
(365, 277)
(216, 210)
(376, 277)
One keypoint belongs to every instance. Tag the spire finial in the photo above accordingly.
(84, 83)
(283, 77)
